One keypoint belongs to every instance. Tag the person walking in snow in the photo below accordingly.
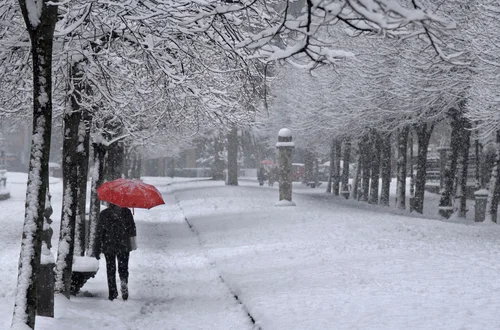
(261, 176)
(115, 238)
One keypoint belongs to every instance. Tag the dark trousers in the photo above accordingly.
(111, 258)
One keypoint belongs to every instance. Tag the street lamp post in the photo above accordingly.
(285, 146)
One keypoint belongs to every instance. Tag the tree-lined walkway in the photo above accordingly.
(173, 285)
(318, 265)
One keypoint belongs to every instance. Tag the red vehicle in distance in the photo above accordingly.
(298, 170)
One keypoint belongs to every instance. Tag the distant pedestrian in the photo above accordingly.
(115, 238)
(261, 176)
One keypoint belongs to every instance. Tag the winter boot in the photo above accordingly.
(113, 295)
(124, 288)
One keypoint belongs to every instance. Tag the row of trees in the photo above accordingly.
(393, 94)
(120, 81)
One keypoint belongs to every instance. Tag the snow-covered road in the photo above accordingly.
(320, 265)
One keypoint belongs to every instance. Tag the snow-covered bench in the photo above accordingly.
(84, 268)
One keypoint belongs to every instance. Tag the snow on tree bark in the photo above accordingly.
(83, 169)
(79, 131)
(40, 23)
(29, 260)
(65, 249)
(95, 205)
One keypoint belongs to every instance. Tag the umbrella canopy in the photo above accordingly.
(130, 193)
(267, 162)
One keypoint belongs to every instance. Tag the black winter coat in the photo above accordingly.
(112, 238)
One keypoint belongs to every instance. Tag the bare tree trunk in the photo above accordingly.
(171, 168)
(465, 167)
(83, 171)
(331, 169)
(375, 167)
(345, 170)
(126, 163)
(386, 170)
(115, 162)
(132, 159)
(130, 163)
(424, 132)
(316, 172)
(232, 157)
(41, 36)
(357, 174)
(218, 167)
(164, 166)
(137, 166)
(308, 167)
(448, 193)
(412, 176)
(401, 168)
(336, 168)
(494, 196)
(478, 184)
(95, 206)
(366, 166)
(72, 120)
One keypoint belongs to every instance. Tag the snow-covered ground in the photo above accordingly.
(217, 257)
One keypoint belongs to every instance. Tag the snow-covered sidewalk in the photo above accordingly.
(217, 257)
(172, 284)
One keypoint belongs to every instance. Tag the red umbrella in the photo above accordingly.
(267, 162)
(130, 193)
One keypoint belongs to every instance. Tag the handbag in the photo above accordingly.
(133, 243)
